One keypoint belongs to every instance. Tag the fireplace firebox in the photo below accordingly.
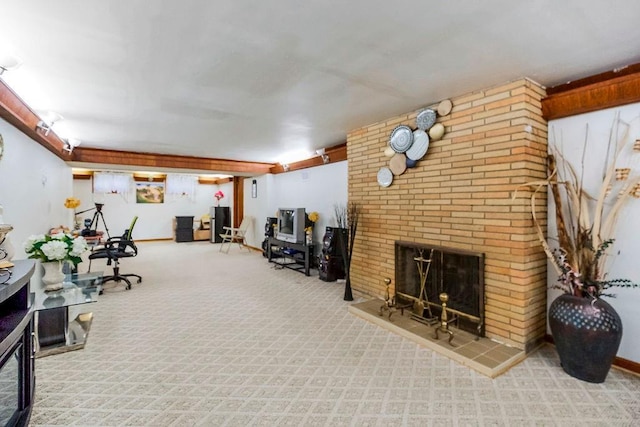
(423, 273)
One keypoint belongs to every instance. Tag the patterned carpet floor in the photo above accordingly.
(214, 339)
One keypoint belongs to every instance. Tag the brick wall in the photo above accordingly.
(460, 196)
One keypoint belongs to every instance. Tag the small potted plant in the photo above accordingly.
(73, 203)
(310, 223)
(218, 195)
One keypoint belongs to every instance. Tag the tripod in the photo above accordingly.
(92, 226)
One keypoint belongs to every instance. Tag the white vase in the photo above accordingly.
(53, 276)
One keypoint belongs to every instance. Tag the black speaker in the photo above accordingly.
(330, 268)
(269, 230)
(334, 241)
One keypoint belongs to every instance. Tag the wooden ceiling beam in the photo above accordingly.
(605, 90)
(214, 181)
(15, 111)
(337, 153)
(159, 161)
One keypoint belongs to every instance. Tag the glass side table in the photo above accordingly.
(55, 333)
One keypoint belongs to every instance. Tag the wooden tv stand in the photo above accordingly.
(298, 261)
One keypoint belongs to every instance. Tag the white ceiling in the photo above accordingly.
(251, 80)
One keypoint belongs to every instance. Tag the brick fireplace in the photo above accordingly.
(423, 273)
(460, 196)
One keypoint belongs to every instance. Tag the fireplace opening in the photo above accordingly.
(423, 273)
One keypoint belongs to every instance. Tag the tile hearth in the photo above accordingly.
(483, 355)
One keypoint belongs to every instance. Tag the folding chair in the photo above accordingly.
(235, 235)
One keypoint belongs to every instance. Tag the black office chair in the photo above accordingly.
(114, 249)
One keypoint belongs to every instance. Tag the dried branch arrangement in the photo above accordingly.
(340, 212)
(347, 217)
(586, 224)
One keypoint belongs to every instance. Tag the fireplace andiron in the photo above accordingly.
(390, 302)
(444, 321)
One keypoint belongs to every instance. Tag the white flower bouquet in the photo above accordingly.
(56, 247)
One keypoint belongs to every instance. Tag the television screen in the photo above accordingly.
(286, 221)
(291, 224)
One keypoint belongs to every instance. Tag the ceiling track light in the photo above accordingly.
(46, 123)
(8, 62)
(70, 144)
(325, 157)
(285, 167)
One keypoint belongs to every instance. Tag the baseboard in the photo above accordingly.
(618, 362)
(627, 365)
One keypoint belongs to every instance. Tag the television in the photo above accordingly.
(291, 223)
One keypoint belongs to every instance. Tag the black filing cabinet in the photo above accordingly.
(184, 229)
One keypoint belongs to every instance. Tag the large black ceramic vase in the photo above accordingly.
(587, 335)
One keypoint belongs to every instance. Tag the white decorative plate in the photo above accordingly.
(420, 145)
(385, 177)
(398, 164)
(401, 138)
(425, 119)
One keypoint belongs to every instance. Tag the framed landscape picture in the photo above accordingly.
(149, 192)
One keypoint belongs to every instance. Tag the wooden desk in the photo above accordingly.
(298, 255)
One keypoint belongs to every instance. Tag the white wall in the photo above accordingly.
(569, 133)
(154, 220)
(33, 186)
(316, 189)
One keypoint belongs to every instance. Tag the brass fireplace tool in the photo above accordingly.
(444, 321)
(422, 304)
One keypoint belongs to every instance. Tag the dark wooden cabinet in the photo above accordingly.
(17, 380)
(184, 229)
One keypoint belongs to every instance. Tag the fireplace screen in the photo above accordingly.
(458, 273)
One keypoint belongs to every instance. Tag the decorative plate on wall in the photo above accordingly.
(385, 177)
(398, 164)
(425, 119)
(444, 107)
(401, 138)
(420, 145)
(437, 131)
(389, 152)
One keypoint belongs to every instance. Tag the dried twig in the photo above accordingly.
(584, 224)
